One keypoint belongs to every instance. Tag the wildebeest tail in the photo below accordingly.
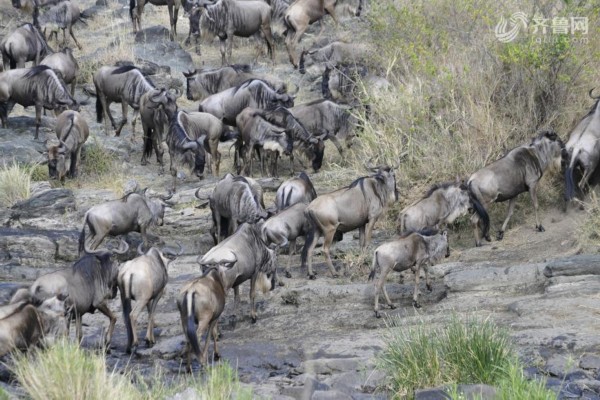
(480, 210)
(147, 146)
(99, 109)
(310, 236)
(301, 68)
(569, 181)
(131, 8)
(229, 134)
(374, 266)
(82, 236)
(190, 327)
(126, 302)
(11, 59)
(325, 84)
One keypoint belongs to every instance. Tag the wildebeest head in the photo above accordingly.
(57, 162)
(53, 312)
(267, 276)
(157, 207)
(190, 152)
(193, 85)
(550, 149)
(167, 101)
(387, 176)
(437, 244)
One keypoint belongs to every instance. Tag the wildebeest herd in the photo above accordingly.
(259, 114)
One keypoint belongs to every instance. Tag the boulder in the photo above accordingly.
(154, 43)
(50, 202)
(583, 264)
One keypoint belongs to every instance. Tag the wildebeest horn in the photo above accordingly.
(100, 251)
(191, 145)
(166, 197)
(590, 93)
(140, 249)
(171, 252)
(124, 250)
(177, 92)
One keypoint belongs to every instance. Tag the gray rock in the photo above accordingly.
(50, 202)
(559, 365)
(16, 142)
(165, 348)
(589, 361)
(331, 365)
(330, 395)
(187, 394)
(583, 264)
(432, 394)
(487, 276)
(479, 391)
(153, 43)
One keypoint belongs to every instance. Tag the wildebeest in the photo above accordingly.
(190, 136)
(442, 204)
(350, 83)
(157, 107)
(72, 131)
(252, 260)
(415, 250)
(583, 148)
(202, 83)
(333, 54)
(518, 171)
(30, 5)
(295, 190)
(23, 325)
(358, 205)
(136, 16)
(229, 18)
(255, 131)
(61, 16)
(324, 117)
(126, 85)
(38, 86)
(233, 202)
(64, 65)
(132, 213)
(255, 93)
(299, 15)
(87, 285)
(143, 279)
(201, 302)
(25, 44)
(284, 228)
(194, 14)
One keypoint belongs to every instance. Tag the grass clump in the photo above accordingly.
(588, 232)
(66, 371)
(15, 181)
(470, 351)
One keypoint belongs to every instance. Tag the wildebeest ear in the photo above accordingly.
(62, 296)
(445, 233)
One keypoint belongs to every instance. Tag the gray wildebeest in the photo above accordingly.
(299, 15)
(358, 205)
(72, 131)
(349, 84)
(252, 260)
(255, 93)
(25, 44)
(135, 13)
(333, 54)
(88, 284)
(414, 250)
(518, 171)
(61, 16)
(583, 148)
(143, 279)
(201, 301)
(157, 108)
(132, 213)
(29, 6)
(229, 18)
(22, 325)
(284, 228)
(126, 85)
(192, 135)
(442, 204)
(256, 132)
(64, 65)
(235, 200)
(38, 86)
(324, 118)
(295, 190)
(202, 83)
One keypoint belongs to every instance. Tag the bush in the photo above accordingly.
(470, 351)
(15, 182)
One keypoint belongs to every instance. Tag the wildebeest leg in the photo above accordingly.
(416, 291)
(73, 165)
(123, 119)
(134, 116)
(427, 278)
(103, 308)
(222, 48)
(381, 285)
(144, 236)
(38, 119)
(209, 333)
(511, 209)
(368, 233)
(150, 340)
(156, 142)
(171, 20)
(266, 30)
(361, 237)
(203, 324)
(236, 300)
(327, 242)
(291, 41)
(252, 297)
(215, 335)
(336, 142)
(73, 36)
(475, 222)
(73, 84)
(78, 333)
(107, 114)
(133, 318)
(533, 194)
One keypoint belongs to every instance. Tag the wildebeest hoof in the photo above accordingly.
(280, 283)
(335, 275)
(216, 356)
(416, 304)
(253, 319)
(392, 306)
(149, 343)
(477, 244)
(312, 277)
(488, 238)
(500, 235)
(288, 274)
(540, 228)
(429, 287)
(377, 314)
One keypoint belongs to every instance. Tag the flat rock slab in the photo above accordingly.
(154, 43)
(50, 202)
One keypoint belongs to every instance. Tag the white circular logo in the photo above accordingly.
(517, 20)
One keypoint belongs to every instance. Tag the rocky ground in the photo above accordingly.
(313, 339)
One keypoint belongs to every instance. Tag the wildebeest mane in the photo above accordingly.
(423, 232)
(177, 131)
(240, 178)
(241, 68)
(593, 109)
(38, 69)
(94, 267)
(124, 68)
(306, 179)
(436, 186)
(215, 17)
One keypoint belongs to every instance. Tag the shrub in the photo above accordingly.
(470, 351)
(15, 181)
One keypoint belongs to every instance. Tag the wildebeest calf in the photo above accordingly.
(72, 131)
(414, 250)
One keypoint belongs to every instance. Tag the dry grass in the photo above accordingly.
(15, 181)
(588, 232)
